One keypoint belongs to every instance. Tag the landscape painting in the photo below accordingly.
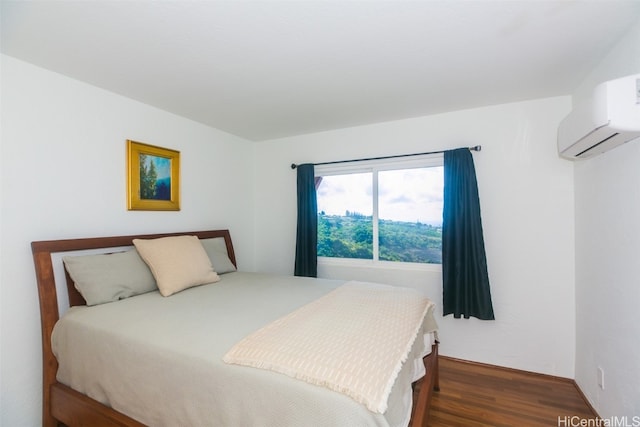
(153, 177)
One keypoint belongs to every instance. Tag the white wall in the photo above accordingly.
(607, 192)
(63, 175)
(2, 390)
(527, 202)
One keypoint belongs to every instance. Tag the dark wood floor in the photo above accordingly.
(474, 395)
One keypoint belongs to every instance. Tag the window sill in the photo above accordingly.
(383, 265)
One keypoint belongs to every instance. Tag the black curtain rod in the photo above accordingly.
(476, 148)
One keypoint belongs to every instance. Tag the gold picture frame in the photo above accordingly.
(153, 178)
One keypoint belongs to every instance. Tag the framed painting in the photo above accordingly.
(153, 178)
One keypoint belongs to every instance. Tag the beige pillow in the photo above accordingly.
(177, 262)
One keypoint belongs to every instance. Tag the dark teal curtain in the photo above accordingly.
(307, 231)
(464, 262)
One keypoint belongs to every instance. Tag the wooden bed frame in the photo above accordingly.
(61, 405)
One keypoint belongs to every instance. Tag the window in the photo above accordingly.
(381, 212)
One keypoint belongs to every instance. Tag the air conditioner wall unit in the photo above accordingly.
(609, 119)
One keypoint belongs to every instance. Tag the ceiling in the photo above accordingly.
(269, 69)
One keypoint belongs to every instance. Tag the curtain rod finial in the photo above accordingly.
(476, 148)
(293, 166)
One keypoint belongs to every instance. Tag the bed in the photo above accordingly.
(195, 388)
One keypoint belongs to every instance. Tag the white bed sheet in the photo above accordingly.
(159, 360)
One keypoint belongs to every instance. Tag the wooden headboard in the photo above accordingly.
(49, 311)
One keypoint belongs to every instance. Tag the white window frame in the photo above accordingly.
(374, 166)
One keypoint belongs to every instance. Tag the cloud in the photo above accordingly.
(400, 199)
(404, 195)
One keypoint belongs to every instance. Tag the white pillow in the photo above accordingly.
(177, 262)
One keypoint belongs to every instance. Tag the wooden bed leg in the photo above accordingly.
(428, 384)
(48, 420)
(436, 364)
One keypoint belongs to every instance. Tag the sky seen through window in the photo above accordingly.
(410, 195)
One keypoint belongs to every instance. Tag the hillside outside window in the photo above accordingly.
(383, 212)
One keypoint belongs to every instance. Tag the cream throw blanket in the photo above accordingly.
(353, 340)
